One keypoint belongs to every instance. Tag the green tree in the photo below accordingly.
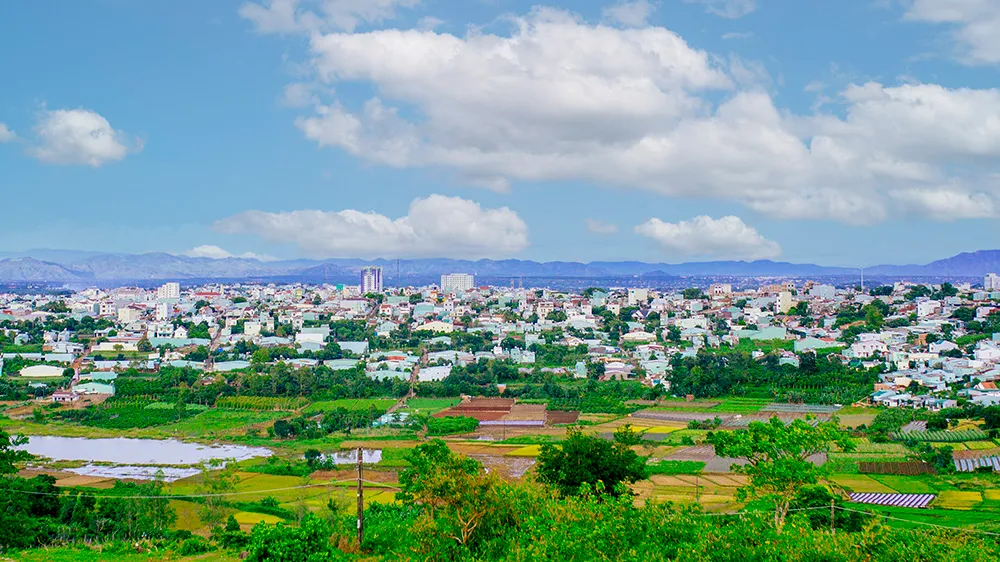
(144, 345)
(589, 459)
(9, 456)
(777, 458)
(260, 357)
(309, 542)
(459, 500)
(215, 485)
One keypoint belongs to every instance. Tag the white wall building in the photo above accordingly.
(169, 291)
(991, 282)
(457, 282)
(637, 296)
(371, 280)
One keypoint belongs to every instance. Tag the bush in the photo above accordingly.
(451, 425)
(194, 545)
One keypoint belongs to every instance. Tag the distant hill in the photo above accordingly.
(74, 266)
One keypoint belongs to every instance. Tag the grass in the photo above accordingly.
(430, 405)
(913, 517)
(905, 484)
(861, 483)
(74, 554)
(351, 404)
(676, 467)
(729, 405)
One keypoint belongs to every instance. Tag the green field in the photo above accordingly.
(429, 405)
(352, 404)
(911, 518)
(728, 405)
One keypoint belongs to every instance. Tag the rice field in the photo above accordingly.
(955, 499)
(528, 451)
(430, 405)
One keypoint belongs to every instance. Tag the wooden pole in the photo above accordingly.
(361, 501)
(833, 531)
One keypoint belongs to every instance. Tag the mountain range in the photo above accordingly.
(68, 266)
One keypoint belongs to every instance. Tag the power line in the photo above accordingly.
(176, 496)
(884, 516)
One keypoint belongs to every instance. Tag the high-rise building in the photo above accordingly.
(457, 282)
(991, 282)
(169, 291)
(371, 280)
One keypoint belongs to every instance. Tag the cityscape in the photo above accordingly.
(499, 281)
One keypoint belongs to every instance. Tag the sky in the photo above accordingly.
(849, 133)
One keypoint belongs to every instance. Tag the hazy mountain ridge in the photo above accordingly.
(65, 265)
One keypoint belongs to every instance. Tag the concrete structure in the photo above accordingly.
(991, 282)
(371, 280)
(169, 291)
(784, 302)
(457, 282)
(637, 296)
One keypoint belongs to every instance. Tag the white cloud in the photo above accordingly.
(79, 136)
(299, 94)
(974, 26)
(598, 226)
(288, 16)
(435, 226)
(630, 13)
(546, 103)
(734, 35)
(731, 9)
(6, 135)
(724, 238)
(428, 23)
(217, 253)
(948, 204)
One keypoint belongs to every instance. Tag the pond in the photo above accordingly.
(135, 456)
(368, 456)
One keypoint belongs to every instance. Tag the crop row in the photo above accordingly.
(942, 436)
(260, 403)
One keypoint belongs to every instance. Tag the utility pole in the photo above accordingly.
(832, 530)
(361, 501)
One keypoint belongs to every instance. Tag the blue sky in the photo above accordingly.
(844, 133)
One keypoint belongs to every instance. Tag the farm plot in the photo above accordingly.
(971, 465)
(351, 404)
(955, 499)
(859, 483)
(942, 436)
(907, 484)
(898, 500)
(905, 468)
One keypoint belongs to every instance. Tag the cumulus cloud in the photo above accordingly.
(544, 102)
(435, 226)
(6, 135)
(731, 9)
(974, 25)
(311, 16)
(947, 204)
(630, 13)
(217, 253)
(724, 238)
(598, 226)
(79, 136)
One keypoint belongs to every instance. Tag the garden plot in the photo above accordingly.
(860, 483)
(942, 436)
(970, 465)
(897, 500)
